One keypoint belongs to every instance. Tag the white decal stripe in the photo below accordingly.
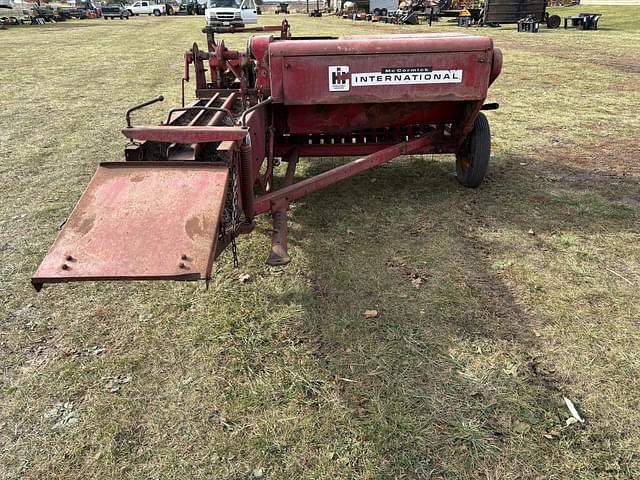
(377, 78)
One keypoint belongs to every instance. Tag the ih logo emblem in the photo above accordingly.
(339, 79)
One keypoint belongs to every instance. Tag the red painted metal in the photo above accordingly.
(355, 117)
(355, 149)
(375, 97)
(300, 70)
(188, 134)
(144, 221)
(293, 192)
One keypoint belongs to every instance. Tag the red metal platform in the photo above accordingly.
(141, 221)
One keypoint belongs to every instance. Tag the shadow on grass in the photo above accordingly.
(448, 378)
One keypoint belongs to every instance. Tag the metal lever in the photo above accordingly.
(159, 98)
(243, 118)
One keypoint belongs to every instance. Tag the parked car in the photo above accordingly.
(115, 10)
(145, 7)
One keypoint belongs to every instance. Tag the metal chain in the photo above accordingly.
(231, 214)
(234, 213)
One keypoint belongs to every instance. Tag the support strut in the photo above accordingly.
(279, 241)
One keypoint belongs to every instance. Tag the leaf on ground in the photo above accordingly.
(501, 265)
(244, 278)
(521, 427)
(371, 314)
(573, 410)
(511, 369)
(63, 415)
(114, 384)
(226, 424)
(258, 472)
(90, 351)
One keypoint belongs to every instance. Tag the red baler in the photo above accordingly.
(190, 186)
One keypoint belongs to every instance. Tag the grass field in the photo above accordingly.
(528, 286)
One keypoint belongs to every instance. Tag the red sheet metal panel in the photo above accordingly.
(374, 44)
(336, 119)
(141, 220)
(373, 69)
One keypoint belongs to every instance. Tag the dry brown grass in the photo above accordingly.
(283, 377)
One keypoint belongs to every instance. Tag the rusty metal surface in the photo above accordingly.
(377, 97)
(187, 134)
(142, 221)
(288, 194)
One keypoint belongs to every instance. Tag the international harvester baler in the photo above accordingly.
(189, 186)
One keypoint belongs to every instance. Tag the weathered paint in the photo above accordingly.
(141, 221)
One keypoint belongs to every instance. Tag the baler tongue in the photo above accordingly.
(141, 221)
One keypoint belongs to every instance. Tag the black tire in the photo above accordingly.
(553, 21)
(472, 161)
(106, 18)
(384, 12)
(377, 11)
(157, 13)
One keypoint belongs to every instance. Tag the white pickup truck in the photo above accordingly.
(145, 7)
(231, 13)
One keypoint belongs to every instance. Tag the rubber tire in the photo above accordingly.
(377, 11)
(157, 13)
(384, 12)
(553, 21)
(472, 162)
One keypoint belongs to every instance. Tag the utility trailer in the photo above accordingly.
(498, 12)
(189, 186)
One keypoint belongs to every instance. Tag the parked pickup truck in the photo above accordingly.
(233, 13)
(115, 10)
(149, 8)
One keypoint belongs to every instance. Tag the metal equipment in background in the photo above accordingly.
(191, 185)
(282, 8)
(497, 12)
(528, 24)
(583, 21)
(9, 15)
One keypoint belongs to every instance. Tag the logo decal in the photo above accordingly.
(340, 80)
